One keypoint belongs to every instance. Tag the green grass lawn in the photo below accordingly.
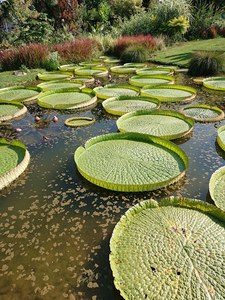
(8, 79)
(181, 53)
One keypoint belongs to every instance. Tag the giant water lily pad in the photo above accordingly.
(11, 110)
(203, 113)
(123, 69)
(221, 137)
(124, 104)
(68, 68)
(115, 90)
(14, 159)
(67, 99)
(56, 75)
(169, 250)
(217, 187)
(170, 93)
(79, 121)
(87, 71)
(163, 123)
(60, 84)
(19, 93)
(130, 162)
(136, 65)
(215, 83)
(154, 71)
(143, 80)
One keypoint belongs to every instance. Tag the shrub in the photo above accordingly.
(77, 50)
(31, 55)
(146, 41)
(52, 62)
(135, 54)
(125, 8)
(205, 63)
(207, 16)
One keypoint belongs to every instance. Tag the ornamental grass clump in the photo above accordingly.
(136, 53)
(77, 50)
(31, 55)
(205, 63)
(146, 41)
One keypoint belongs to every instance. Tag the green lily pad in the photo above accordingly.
(89, 64)
(56, 75)
(19, 93)
(114, 90)
(68, 68)
(79, 121)
(84, 79)
(169, 250)
(215, 83)
(14, 159)
(154, 71)
(143, 80)
(162, 123)
(59, 84)
(135, 65)
(67, 99)
(170, 93)
(221, 137)
(11, 110)
(123, 69)
(111, 60)
(130, 162)
(85, 71)
(203, 113)
(124, 104)
(217, 187)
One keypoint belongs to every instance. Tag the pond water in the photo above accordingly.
(55, 226)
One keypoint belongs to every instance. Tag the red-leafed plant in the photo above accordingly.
(124, 42)
(31, 55)
(76, 50)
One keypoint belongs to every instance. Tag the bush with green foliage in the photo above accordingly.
(126, 8)
(135, 54)
(169, 17)
(52, 62)
(207, 19)
(206, 63)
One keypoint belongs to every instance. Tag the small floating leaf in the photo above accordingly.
(79, 121)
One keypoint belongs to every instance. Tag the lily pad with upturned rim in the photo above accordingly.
(169, 250)
(85, 71)
(221, 137)
(11, 110)
(114, 90)
(170, 93)
(68, 68)
(203, 113)
(130, 162)
(14, 159)
(217, 187)
(143, 80)
(166, 124)
(123, 69)
(154, 71)
(67, 99)
(79, 121)
(19, 93)
(59, 84)
(136, 65)
(55, 75)
(215, 83)
(124, 104)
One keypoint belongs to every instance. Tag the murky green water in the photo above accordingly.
(55, 226)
